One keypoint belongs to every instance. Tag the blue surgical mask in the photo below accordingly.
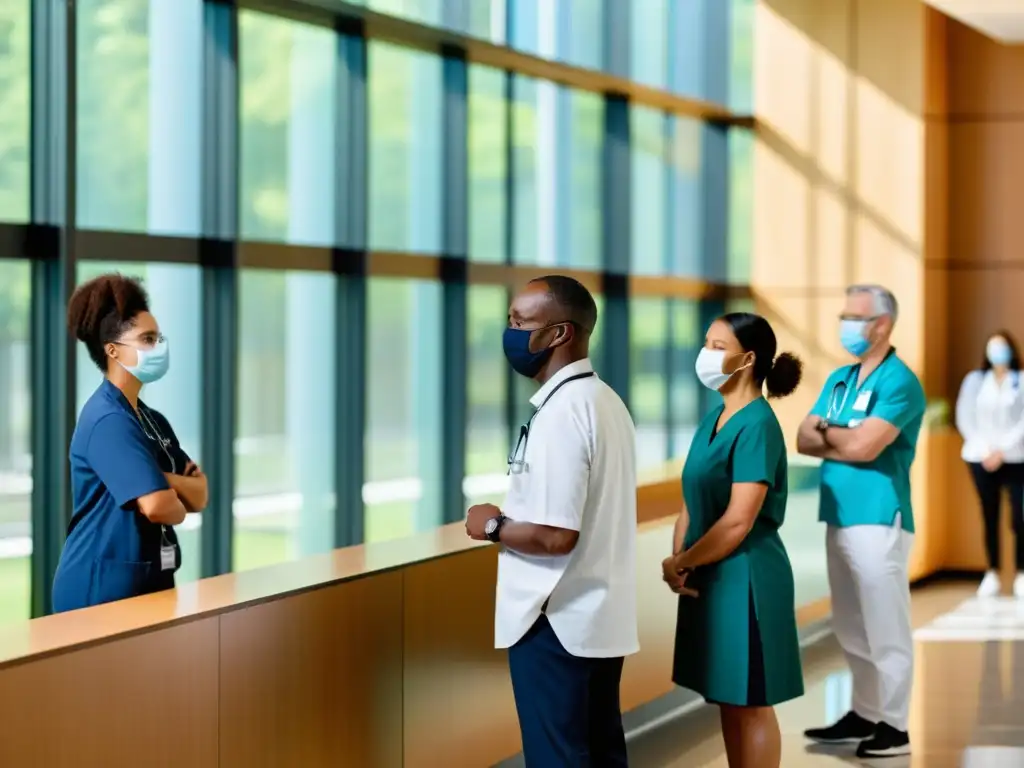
(853, 338)
(152, 363)
(998, 352)
(516, 343)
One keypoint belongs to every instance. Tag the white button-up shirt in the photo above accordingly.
(990, 416)
(578, 472)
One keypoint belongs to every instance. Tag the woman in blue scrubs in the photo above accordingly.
(131, 481)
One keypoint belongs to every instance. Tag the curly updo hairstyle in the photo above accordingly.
(102, 309)
(781, 374)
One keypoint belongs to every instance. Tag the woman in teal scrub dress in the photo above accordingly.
(736, 636)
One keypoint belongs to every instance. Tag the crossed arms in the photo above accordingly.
(860, 444)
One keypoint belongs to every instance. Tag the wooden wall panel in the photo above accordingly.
(838, 173)
(985, 267)
(890, 51)
(986, 185)
(648, 674)
(928, 478)
(459, 709)
(980, 301)
(315, 679)
(984, 76)
(145, 700)
(657, 501)
(856, 172)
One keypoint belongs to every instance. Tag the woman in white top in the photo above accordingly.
(990, 417)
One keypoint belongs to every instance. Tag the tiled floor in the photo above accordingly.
(968, 701)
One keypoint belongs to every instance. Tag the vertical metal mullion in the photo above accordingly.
(616, 197)
(511, 406)
(668, 360)
(352, 142)
(714, 202)
(618, 23)
(455, 246)
(616, 244)
(219, 258)
(668, 190)
(715, 53)
(52, 248)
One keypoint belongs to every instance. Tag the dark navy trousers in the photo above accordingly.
(568, 706)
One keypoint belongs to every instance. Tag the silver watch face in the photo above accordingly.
(491, 526)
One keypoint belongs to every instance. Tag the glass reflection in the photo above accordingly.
(488, 376)
(138, 115)
(687, 334)
(288, 74)
(557, 141)
(404, 94)
(488, 164)
(650, 170)
(403, 428)
(741, 205)
(15, 443)
(284, 450)
(649, 351)
(15, 108)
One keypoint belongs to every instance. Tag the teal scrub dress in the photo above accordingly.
(736, 643)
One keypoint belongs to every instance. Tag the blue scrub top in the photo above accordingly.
(871, 493)
(112, 550)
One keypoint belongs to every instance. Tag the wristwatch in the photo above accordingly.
(492, 528)
(822, 425)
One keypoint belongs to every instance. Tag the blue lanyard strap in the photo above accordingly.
(856, 369)
(524, 430)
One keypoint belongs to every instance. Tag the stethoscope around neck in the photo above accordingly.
(152, 431)
(517, 466)
(841, 389)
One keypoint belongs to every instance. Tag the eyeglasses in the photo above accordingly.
(858, 318)
(147, 340)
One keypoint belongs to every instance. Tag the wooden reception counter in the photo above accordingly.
(376, 655)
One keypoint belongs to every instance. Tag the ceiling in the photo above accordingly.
(1002, 20)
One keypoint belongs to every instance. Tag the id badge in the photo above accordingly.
(862, 402)
(167, 558)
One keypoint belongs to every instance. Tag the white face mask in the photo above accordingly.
(709, 368)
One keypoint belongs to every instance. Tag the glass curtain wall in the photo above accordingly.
(330, 241)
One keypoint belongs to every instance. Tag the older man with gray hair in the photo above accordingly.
(864, 427)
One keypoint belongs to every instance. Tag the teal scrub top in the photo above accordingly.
(872, 493)
(749, 448)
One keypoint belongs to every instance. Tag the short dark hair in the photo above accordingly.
(102, 309)
(1011, 342)
(572, 296)
(781, 375)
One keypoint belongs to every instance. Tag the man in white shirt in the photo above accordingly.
(566, 597)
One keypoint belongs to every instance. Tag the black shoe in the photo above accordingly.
(887, 742)
(850, 728)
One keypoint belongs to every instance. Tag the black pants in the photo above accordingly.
(990, 485)
(568, 706)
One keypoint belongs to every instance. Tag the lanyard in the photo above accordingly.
(152, 431)
(857, 367)
(841, 390)
(517, 465)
